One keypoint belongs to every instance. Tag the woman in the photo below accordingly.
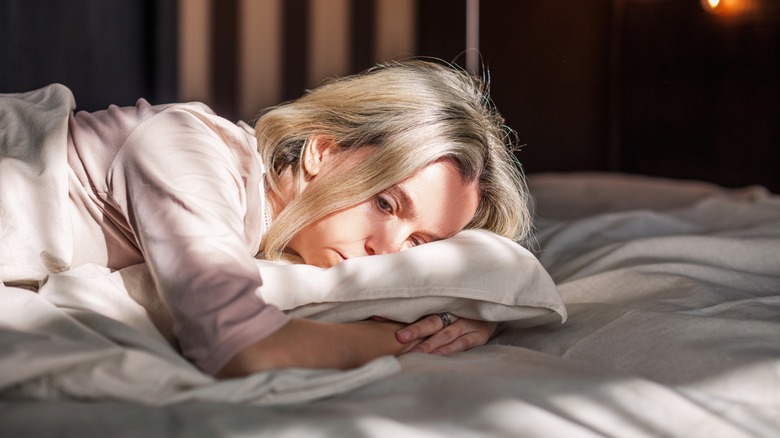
(401, 155)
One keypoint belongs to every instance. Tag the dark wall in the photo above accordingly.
(654, 87)
(699, 94)
(548, 64)
(106, 51)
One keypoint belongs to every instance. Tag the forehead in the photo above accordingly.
(441, 202)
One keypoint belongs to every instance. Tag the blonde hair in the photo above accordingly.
(411, 113)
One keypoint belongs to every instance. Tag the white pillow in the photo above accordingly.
(475, 274)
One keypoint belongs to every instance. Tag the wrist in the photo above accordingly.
(313, 344)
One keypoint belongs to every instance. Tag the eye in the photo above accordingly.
(416, 241)
(384, 204)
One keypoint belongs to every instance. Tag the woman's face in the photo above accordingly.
(431, 205)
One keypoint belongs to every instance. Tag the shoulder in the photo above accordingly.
(184, 136)
(192, 121)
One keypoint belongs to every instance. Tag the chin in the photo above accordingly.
(319, 262)
(324, 259)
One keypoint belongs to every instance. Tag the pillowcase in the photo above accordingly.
(476, 274)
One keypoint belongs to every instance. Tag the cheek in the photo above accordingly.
(347, 225)
(356, 220)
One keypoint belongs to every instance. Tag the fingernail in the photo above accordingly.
(404, 336)
(416, 350)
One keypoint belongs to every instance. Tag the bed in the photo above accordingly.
(640, 307)
(672, 295)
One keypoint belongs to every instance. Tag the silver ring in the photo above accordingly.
(446, 319)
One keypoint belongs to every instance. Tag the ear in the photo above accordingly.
(319, 151)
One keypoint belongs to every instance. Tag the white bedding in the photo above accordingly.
(95, 334)
(673, 297)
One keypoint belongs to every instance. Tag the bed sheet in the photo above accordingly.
(673, 296)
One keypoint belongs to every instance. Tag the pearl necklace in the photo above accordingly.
(267, 214)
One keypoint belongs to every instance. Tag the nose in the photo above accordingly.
(386, 241)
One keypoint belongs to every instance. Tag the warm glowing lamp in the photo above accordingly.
(731, 8)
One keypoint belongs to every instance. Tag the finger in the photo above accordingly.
(462, 343)
(422, 328)
(439, 339)
(462, 335)
(449, 334)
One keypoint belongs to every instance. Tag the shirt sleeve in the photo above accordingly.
(179, 186)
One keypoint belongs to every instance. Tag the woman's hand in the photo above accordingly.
(461, 335)
(313, 344)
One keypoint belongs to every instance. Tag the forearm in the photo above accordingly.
(312, 344)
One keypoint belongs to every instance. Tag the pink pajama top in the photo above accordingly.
(181, 189)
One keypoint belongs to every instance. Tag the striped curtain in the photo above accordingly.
(240, 56)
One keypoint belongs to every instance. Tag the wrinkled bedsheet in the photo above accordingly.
(673, 296)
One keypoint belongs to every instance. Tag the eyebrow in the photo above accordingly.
(411, 208)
